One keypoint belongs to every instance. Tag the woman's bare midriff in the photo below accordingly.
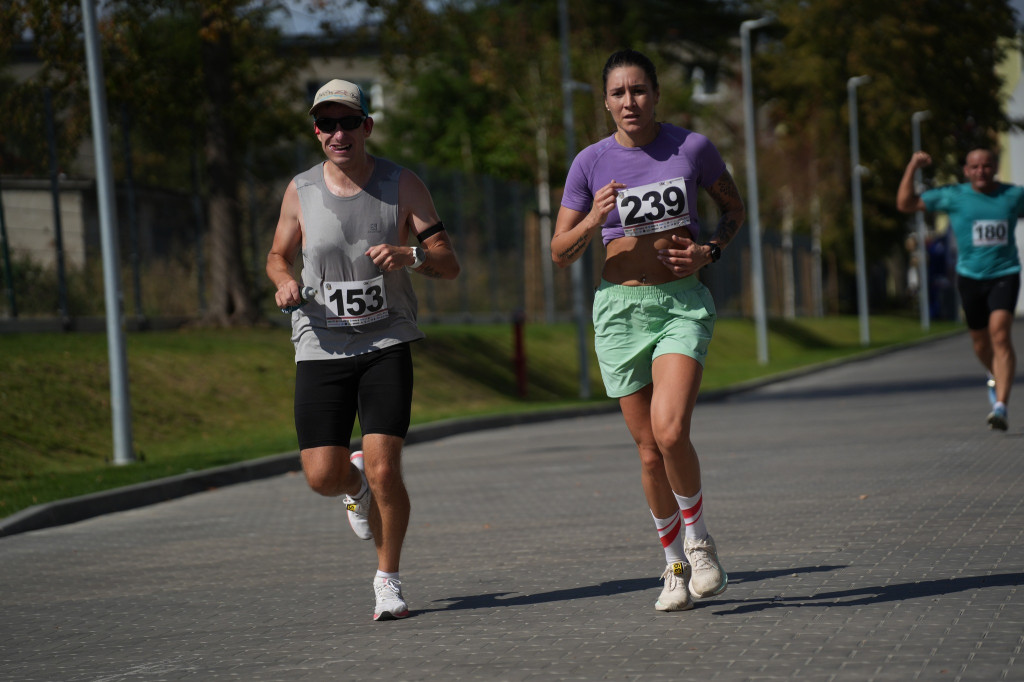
(633, 261)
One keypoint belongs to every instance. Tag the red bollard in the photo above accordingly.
(518, 322)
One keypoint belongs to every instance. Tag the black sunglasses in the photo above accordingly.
(329, 125)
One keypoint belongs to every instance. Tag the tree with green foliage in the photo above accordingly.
(479, 83)
(476, 79)
(55, 35)
(935, 55)
(197, 78)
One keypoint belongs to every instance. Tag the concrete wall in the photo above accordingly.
(32, 224)
(165, 221)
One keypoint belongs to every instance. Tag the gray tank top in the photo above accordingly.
(357, 309)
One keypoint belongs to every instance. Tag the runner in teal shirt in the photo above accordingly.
(983, 225)
(983, 214)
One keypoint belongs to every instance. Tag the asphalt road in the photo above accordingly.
(869, 521)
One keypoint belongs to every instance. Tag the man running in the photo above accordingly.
(351, 216)
(983, 215)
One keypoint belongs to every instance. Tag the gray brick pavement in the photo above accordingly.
(870, 523)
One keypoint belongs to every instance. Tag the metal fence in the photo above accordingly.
(494, 225)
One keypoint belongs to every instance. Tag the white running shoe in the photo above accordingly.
(675, 596)
(390, 604)
(359, 509)
(708, 577)
(997, 418)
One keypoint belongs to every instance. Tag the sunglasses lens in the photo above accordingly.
(329, 125)
(350, 122)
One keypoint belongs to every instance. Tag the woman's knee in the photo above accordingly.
(672, 434)
(651, 460)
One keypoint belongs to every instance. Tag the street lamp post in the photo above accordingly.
(578, 271)
(120, 403)
(753, 215)
(922, 252)
(858, 219)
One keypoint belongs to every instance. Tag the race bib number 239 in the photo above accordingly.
(655, 207)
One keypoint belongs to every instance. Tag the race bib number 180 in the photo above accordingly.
(989, 233)
(350, 304)
(656, 207)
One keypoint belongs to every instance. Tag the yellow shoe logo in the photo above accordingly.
(352, 507)
(677, 567)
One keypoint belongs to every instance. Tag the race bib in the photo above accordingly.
(656, 207)
(350, 304)
(989, 233)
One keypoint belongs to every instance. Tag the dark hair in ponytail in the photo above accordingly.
(629, 58)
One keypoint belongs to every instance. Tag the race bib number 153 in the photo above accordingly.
(350, 304)
(656, 207)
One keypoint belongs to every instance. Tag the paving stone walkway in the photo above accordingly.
(870, 523)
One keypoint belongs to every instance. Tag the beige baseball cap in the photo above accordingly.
(342, 92)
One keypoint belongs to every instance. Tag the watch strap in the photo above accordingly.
(418, 257)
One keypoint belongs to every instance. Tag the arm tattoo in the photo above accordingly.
(727, 197)
(726, 230)
(576, 248)
(428, 271)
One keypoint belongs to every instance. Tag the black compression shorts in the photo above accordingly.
(329, 394)
(979, 297)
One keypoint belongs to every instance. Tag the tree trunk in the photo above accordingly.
(230, 301)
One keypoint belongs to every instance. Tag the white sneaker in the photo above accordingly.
(997, 418)
(708, 577)
(359, 509)
(675, 596)
(390, 604)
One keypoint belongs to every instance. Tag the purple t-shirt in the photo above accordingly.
(676, 154)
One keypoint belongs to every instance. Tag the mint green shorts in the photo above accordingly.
(634, 325)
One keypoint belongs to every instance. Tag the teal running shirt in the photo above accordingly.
(984, 226)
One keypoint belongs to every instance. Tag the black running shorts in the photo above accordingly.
(329, 394)
(979, 297)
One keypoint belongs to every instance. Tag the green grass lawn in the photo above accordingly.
(205, 398)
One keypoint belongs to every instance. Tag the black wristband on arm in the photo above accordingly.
(430, 232)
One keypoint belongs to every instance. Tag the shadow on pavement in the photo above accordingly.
(873, 595)
(499, 599)
(736, 577)
(495, 599)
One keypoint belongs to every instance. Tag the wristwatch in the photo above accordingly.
(417, 257)
(716, 251)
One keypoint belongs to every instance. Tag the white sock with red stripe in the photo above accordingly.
(692, 509)
(671, 537)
